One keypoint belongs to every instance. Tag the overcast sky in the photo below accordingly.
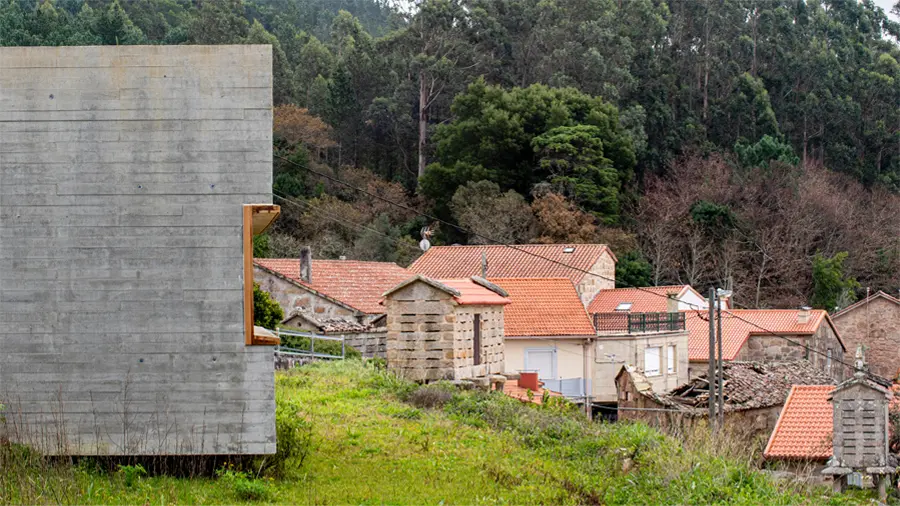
(887, 5)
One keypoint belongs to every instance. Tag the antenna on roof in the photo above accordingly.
(426, 232)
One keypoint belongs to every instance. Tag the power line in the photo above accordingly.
(465, 230)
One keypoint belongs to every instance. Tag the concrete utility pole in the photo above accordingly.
(721, 376)
(711, 374)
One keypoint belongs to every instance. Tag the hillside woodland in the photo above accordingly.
(748, 144)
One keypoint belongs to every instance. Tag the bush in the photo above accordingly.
(430, 396)
(266, 311)
(244, 487)
(294, 440)
(132, 474)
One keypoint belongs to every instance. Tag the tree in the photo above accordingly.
(491, 215)
(632, 269)
(493, 132)
(266, 311)
(558, 220)
(218, 22)
(764, 151)
(832, 288)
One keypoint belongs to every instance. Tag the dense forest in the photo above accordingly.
(749, 144)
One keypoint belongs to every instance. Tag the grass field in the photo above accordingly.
(370, 444)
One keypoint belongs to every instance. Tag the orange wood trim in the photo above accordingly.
(248, 273)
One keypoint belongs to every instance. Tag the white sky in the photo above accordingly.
(887, 5)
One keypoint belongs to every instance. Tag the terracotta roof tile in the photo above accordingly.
(355, 283)
(512, 389)
(523, 261)
(543, 307)
(651, 299)
(736, 331)
(805, 426)
(471, 293)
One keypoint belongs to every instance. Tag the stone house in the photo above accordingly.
(546, 329)
(369, 339)
(448, 329)
(754, 395)
(133, 180)
(874, 323)
(329, 288)
(769, 335)
(571, 261)
(644, 329)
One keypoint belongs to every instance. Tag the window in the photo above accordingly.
(256, 219)
(570, 249)
(670, 358)
(624, 306)
(651, 360)
(476, 339)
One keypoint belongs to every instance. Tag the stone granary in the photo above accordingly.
(873, 322)
(861, 440)
(450, 329)
(132, 179)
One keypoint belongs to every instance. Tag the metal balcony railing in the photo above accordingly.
(638, 323)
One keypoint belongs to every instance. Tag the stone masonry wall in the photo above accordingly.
(878, 329)
(590, 286)
(492, 347)
(123, 173)
(420, 333)
(768, 348)
(293, 298)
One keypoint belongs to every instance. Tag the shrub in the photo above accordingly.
(244, 487)
(132, 474)
(266, 311)
(430, 396)
(294, 440)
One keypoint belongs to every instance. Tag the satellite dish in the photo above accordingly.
(424, 245)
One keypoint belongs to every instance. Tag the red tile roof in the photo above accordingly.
(863, 302)
(471, 293)
(651, 299)
(543, 307)
(521, 261)
(736, 330)
(354, 283)
(805, 426)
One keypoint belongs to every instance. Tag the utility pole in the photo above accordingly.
(711, 374)
(721, 377)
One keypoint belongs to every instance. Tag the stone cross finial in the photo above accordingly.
(860, 362)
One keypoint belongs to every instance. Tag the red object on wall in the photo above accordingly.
(529, 380)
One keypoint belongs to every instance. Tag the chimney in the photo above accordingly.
(529, 380)
(306, 265)
(483, 264)
(672, 302)
(803, 315)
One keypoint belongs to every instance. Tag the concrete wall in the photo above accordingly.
(589, 285)
(123, 171)
(292, 297)
(613, 352)
(878, 329)
(569, 355)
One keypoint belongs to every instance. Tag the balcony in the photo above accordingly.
(638, 323)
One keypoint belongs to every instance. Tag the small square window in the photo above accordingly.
(569, 249)
(624, 306)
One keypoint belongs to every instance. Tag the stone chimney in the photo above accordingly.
(672, 302)
(803, 315)
(484, 264)
(306, 265)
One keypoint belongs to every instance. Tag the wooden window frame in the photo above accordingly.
(256, 219)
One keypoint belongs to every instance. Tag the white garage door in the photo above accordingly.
(542, 360)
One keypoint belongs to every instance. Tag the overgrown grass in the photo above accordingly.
(358, 439)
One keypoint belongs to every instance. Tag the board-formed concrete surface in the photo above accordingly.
(123, 171)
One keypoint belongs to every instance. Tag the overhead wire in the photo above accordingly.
(694, 307)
